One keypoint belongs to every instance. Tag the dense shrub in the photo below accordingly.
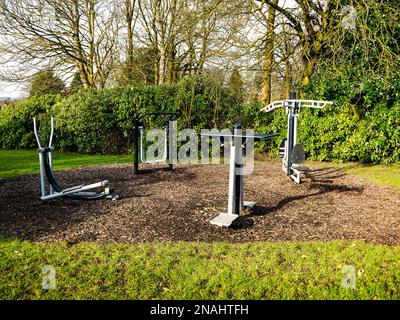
(363, 125)
(343, 137)
(378, 138)
(100, 121)
(16, 128)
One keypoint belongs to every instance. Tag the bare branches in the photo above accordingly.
(159, 41)
(57, 32)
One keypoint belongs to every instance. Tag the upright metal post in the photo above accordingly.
(241, 183)
(290, 139)
(237, 141)
(231, 193)
(50, 156)
(42, 180)
(41, 163)
(295, 117)
(287, 137)
(52, 132)
(173, 142)
(170, 144)
(296, 112)
(136, 145)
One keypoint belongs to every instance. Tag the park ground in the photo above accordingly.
(297, 250)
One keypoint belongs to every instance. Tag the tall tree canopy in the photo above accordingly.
(121, 42)
(46, 82)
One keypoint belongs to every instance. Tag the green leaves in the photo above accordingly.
(362, 125)
(100, 121)
(16, 128)
(343, 137)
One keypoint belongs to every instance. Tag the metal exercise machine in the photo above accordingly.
(293, 154)
(138, 133)
(81, 192)
(238, 140)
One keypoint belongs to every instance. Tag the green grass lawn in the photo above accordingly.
(387, 175)
(20, 162)
(194, 270)
(200, 271)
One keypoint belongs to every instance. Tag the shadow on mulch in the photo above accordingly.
(177, 206)
(322, 186)
(323, 189)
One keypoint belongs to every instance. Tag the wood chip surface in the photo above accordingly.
(177, 206)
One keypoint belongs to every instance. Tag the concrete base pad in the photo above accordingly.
(224, 220)
(249, 204)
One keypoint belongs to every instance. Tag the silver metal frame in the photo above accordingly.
(142, 151)
(226, 219)
(236, 201)
(78, 190)
(293, 108)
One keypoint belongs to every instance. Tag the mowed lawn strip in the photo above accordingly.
(201, 271)
(20, 162)
(386, 175)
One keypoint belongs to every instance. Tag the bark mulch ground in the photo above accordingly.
(177, 206)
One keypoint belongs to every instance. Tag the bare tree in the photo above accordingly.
(66, 34)
(187, 34)
(321, 31)
(269, 50)
(129, 11)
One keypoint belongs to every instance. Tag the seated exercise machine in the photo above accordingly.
(138, 133)
(80, 192)
(293, 153)
(236, 203)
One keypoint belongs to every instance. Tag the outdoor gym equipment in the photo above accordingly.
(236, 203)
(293, 154)
(55, 190)
(138, 133)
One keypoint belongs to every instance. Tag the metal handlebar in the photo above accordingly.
(52, 132)
(37, 135)
(300, 103)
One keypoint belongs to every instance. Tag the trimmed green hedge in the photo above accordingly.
(363, 124)
(341, 136)
(16, 128)
(99, 121)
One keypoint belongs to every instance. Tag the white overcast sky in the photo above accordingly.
(12, 90)
(18, 90)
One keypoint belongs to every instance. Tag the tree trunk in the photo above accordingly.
(309, 60)
(129, 10)
(171, 63)
(91, 14)
(157, 68)
(162, 62)
(287, 87)
(269, 55)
